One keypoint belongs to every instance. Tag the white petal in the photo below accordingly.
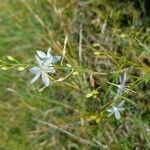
(120, 79)
(35, 78)
(48, 62)
(41, 54)
(121, 104)
(49, 70)
(38, 60)
(124, 78)
(49, 53)
(49, 49)
(56, 59)
(121, 109)
(120, 90)
(117, 114)
(35, 70)
(45, 79)
(110, 114)
(110, 110)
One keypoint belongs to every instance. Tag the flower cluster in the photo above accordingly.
(121, 89)
(44, 66)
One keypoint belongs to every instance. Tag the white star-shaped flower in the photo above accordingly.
(47, 57)
(42, 70)
(44, 66)
(116, 110)
(122, 86)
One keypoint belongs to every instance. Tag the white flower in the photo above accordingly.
(47, 57)
(42, 70)
(122, 86)
(44, 66)
(116, 110)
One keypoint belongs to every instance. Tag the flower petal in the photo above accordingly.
(35, 70)
(45, 79)
(124, 78)
(110, 110)
(117, 114)
(120, 79)
(120, 90)
(38, 60)
(48, 62)
(41, 54)
(110, 114)
(49, 53)
(56, 59)
(121, 109)
(49, 70)
(35, 78)
(121, 104)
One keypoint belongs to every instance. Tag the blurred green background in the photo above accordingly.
(115, 37)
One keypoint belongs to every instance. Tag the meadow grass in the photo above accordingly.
(105, 39)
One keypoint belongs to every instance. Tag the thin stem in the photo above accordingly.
(64, 50)
(80, 43)
(79, 139)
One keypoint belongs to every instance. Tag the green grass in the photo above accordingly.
(28, 25)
